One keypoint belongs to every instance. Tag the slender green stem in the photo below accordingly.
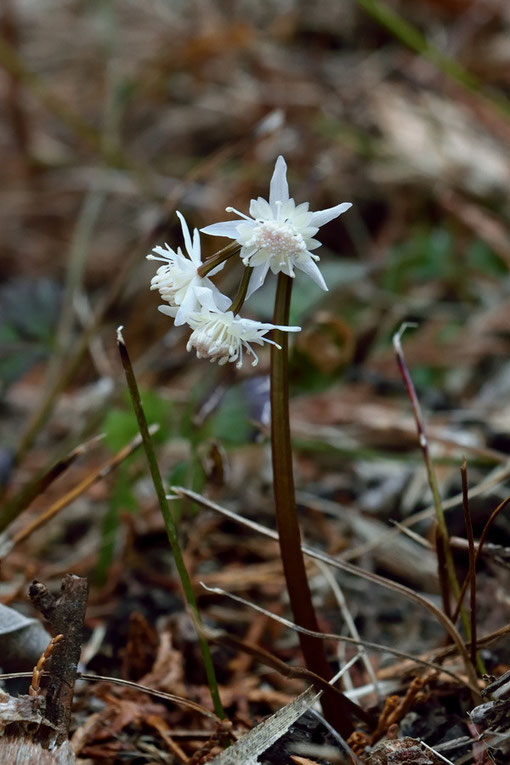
(168, 518)
(286, 514)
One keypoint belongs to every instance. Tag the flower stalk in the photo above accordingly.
(218, 258)
(168, 518)
(286, 513)
(239, 299)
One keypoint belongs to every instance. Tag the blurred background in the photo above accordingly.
(117, 113)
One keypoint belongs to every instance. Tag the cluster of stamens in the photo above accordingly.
(276, 240)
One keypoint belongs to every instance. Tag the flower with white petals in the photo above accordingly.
(177, 279)
(221, 336)
(279, 234)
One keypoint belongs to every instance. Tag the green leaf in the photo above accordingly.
(120, 425)
(230, 423)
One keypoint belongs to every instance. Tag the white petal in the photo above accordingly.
(260, 208)
(165, 252)
(226, 228)
(168, 310)
(205, 297)
(287, 210)
(321, 217)
(307, 265)
(222, 301)
(188, 305)
(185, 233)
(285, 329)
(195, 254)
(279, 188)
(257, 278)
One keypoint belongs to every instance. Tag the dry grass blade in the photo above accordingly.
(349, 621)
(269, 731)
(180, 700)
(498, 476)
(78, 490)
(331, 635)
(40, 483)
(297, 673)
(250, 746)
(356, 571)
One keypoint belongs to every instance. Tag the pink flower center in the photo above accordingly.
(278, 240)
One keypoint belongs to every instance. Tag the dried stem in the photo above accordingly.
(422, 436)
(476, 659)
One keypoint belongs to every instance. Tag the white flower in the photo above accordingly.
(177, 279)
(221, 336)
(279, 234)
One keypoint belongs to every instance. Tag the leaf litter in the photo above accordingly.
(197, 122)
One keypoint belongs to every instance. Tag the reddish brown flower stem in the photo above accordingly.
(219, 257)
(339, 715)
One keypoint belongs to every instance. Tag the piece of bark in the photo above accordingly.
(66, 614)
(20, 717)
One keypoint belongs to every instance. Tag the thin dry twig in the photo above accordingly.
(334, 636)
(472, 563)
(356, 571)
(349, 621)
(180, 700)
(479, 545)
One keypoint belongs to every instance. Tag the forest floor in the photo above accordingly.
(117, 115)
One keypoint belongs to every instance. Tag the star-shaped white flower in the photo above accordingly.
(221, 336)
(177, 279)
(279, 234)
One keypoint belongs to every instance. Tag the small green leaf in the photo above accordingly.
(120, 425)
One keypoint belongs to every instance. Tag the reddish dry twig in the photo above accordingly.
(472, 562)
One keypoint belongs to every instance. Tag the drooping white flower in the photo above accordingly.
(177, 279)
(279, 235)
(221, 336)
